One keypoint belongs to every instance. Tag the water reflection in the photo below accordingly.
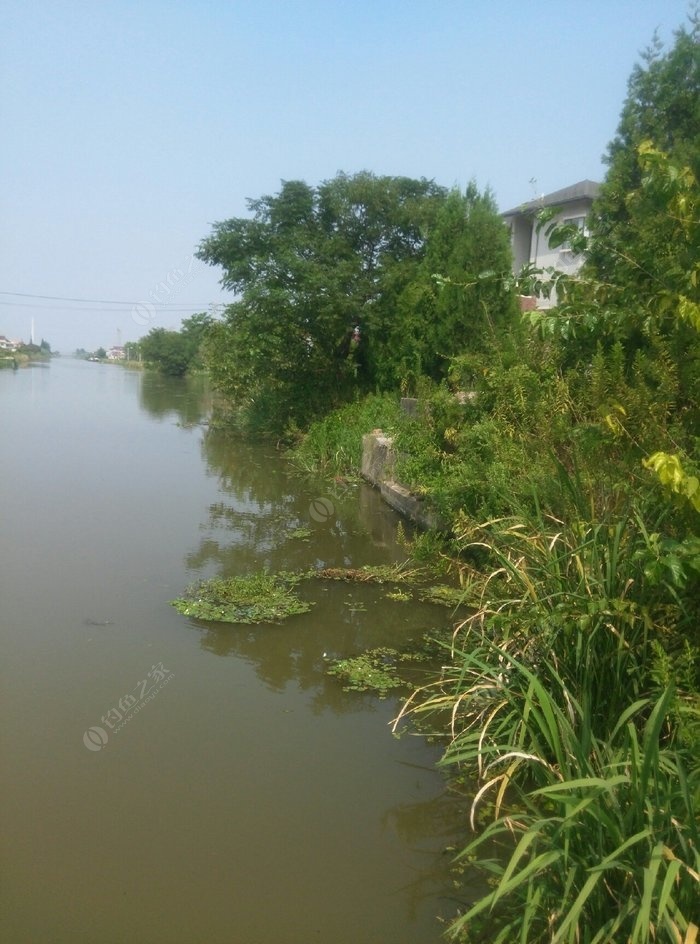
(263, 520)
(419, 825)
(189, 397)
(256, 525)
(269, 503)
(256, 779)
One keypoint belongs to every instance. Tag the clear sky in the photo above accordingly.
(130, 126)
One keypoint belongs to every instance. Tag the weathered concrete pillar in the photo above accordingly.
(378, 462)
(378, 457)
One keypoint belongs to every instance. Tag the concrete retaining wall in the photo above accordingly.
(378, 463)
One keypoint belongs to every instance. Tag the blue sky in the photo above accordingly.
(130, 127)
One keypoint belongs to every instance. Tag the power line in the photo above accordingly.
(98, 301)
(155, 305)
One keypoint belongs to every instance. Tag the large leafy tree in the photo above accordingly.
(631, 242)
(461, 301)
(316, 271)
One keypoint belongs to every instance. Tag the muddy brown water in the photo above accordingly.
(167, 781)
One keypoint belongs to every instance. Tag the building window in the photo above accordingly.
(580, 223)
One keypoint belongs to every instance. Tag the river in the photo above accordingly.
(168, 781)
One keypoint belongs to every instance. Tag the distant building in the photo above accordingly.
(531, 246)
(116, 354)
(7, 345)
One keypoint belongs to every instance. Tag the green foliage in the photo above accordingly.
(470, 457)
(311, 266)
(176, 352)
(333, 445)
(166, 350)
(604, 845)
(460, 299)
(671, 474)
(662, 110)
(337, 294)
(373, 670)
(255, 598)
(572, 691)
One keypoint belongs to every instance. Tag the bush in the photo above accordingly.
(333, 445)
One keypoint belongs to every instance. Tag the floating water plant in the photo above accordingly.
(372, 670)
(254, 598)
(444, 595)
(400, 595)
(382, 573)
(300, 534)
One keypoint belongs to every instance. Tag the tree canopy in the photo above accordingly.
(176, 352)
(335, 289)
(662, 109)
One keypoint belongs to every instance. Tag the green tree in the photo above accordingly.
(166, 350)
(662, 108)
(317, 271)
(460, 301)
(195, 330)
(176, 352)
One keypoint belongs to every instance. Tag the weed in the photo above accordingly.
(255, 598)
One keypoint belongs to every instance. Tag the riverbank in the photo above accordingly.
(578, 659)
(23, 358)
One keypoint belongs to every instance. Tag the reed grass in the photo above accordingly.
(572, 700)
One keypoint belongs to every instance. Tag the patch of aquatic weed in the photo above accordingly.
(373, 670)
(382, 573)
(404, 576)
(378, 670)
(254, 598)
(300, 534)
(444, 595)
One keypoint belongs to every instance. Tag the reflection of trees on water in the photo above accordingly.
(441, 820)
(187, 397)
(296, 652)
(428, 827)
(283, 656)
(252, 527)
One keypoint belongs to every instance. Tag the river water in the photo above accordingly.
(168, 781)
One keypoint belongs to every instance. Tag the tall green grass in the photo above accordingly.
(333, 445)
(573, 702)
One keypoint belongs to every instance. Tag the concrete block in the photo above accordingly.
(378, 457)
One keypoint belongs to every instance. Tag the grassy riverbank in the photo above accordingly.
(572, 688)
(23, 357)
(560, 447)
(569, 478)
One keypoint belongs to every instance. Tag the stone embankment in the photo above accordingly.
(378, 464)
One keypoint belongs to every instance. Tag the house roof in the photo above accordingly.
(584, 189)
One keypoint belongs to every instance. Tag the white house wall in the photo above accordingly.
(562, 259)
